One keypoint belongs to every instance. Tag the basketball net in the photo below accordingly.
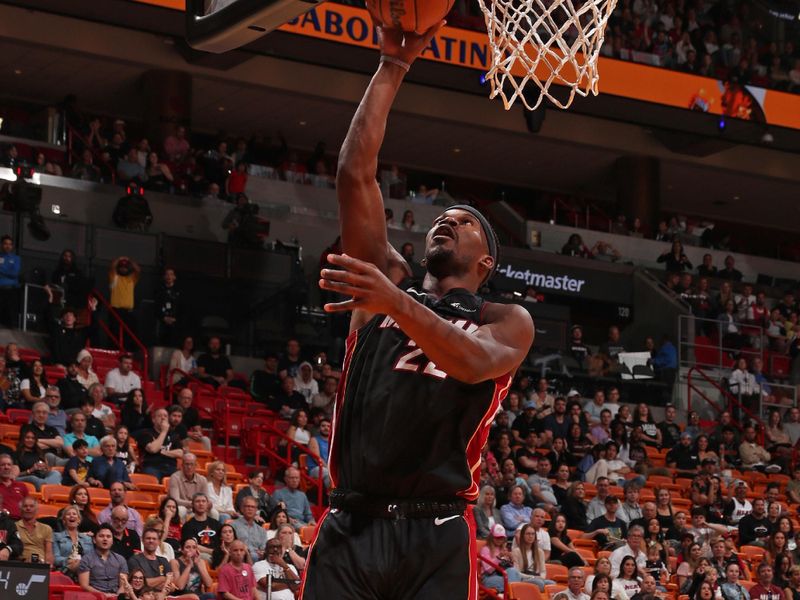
(546, 42)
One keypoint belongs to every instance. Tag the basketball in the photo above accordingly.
(409, 15)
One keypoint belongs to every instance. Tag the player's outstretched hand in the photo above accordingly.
(369, 289)
(403, 45)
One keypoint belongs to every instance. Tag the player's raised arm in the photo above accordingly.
(361, 211)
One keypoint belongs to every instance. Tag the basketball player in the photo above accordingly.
(425, 370)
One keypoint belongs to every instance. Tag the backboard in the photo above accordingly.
(222, 25)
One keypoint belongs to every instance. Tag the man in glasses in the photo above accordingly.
(274, 571)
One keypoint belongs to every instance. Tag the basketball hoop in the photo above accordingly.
(546, 42)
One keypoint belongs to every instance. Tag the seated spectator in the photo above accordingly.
(129, 169)
(220, 494)
(730, 587)
(201, 527)
(495, 551)
(576, 348)
(265, 384)
(86, 375)
(221, 554)
(78, 424)
(765, 588)
(213, 367)
(611, 466)
(670, 432)
(515, 513)
(33, 467)
(541, 489)
(628, 577)
(71, 390)
(529, 558)
(633, 548)
(319, 445)
(707, 269)
(576, 247)
(118, 495)
(159, 175)
(730, 272)
(575, 582)
(191, 571)
(176, 146)
(160, 449)
(754, 528)
(753, 455)
(125, 450)
(293, 553)
(236, 579)
(157, 570)
(48, 439)
(85, 169)
(629, 510)
(56, 418)
(561, 546)
(169, 513)
(294, 500)
(100, 410)
(185, 483)
(738, 506)
(675, 259)
(125, 542)
(107, 468)
(11, 491)
(76, 471)
(486, 512)
(249, 531)
(684, 456)
(121, 380)
(605, 251)
(594, 407)
(100, 571)
(69, 544)
(305, 383)
(282, 575)
(36, 537)
(610, 530)
(134, 413)
(34, 387)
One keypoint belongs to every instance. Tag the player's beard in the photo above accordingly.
(443, 262)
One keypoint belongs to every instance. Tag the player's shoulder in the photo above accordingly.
(497, 311)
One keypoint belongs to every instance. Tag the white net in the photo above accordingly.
(546, 43)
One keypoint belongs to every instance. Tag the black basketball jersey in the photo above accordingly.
(402, 427)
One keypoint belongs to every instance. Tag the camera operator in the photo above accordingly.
(243, 225)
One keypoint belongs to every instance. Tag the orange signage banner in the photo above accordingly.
(470, 49)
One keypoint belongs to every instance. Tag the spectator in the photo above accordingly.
(78, 432)
(754, 528)
(325, 399)
(249, 531)
(243, 225)
(70, 545)
(201, 527)
(176, 146)
(71, 390)
(578, 350)
(738, 506)
(707, 269)
(605, 251)
(675, 259)
(295, 501)
(541, 490)
(109, 468)
(11, 158)
(515, 513)
(159, 175)
(305, 383)
(236, 181)
(294, 553)
(575, 582)
(94, 426)
(170, 314)
(486, 512)
(753, 455)
(129, 169)
(496, 552)
(765, 588)
(265, 384)
(184, 360)
(100, 571)
(191, 571)
(11, 491)
(85, 168)
(255, 489)
(10, 267)
(319, 445)
(159, 447)
(607, 527)
(630, 510)
(730, 586)
(118, 494)
(683, 457)
(185, 483)
(125, 542)
(135, 414)
(236, 579)
(289, 364)
(66, 339)
(48, 439)
(76, 471)
(288, 400)
(576, 247)
(121, 380)
(670, 431)
(275, 575)
(633, 548)
(56, 418)
(101, 410)
(157, 570)
(123, 275)
(220, 494)
(86, 375)
(36, 537)
(214, 367)
(730, 272)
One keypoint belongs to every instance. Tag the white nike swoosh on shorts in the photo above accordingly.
(439, 520)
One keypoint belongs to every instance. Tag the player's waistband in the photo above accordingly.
(386, 508)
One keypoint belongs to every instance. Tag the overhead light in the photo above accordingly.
(221, 108)
(767, 138)
(457, 150)
(302, 123)
(17, 71)
(736, 197)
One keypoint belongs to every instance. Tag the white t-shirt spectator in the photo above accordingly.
(263, 568)
(122, 384)
(102, 412)
(25, 384)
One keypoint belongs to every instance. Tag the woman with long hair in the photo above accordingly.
(485, 512)
(704, 450)
(502, 449)
(686, 570)
(777, 440)
(529, 559)
(33, 467)
(191, 572)
(561, 547)
(603, 568)
(496, 552)
(562, 484)
(628, 578)
(280, 517)
(782, 568)
(705, 591)
(136, 586)
(79, 498)
(664, 509)
(573, 506)
(651, 434)
(675, 259)
(221, 555)
(34, 387)
(220, 494)
(168, 513)
(69, 544)
(602, 582)
(653, 534)
(101, 411)
(125, 451)
(792, 591)
(730, 586)
(775, 546)
(578, 443)
(135, 414)
(183, 359)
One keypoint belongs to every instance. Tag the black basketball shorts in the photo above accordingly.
(355, 557)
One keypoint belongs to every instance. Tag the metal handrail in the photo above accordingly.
(123, 329)
(732, 400)
(506, 588)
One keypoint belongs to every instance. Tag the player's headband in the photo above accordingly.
(491, 236)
